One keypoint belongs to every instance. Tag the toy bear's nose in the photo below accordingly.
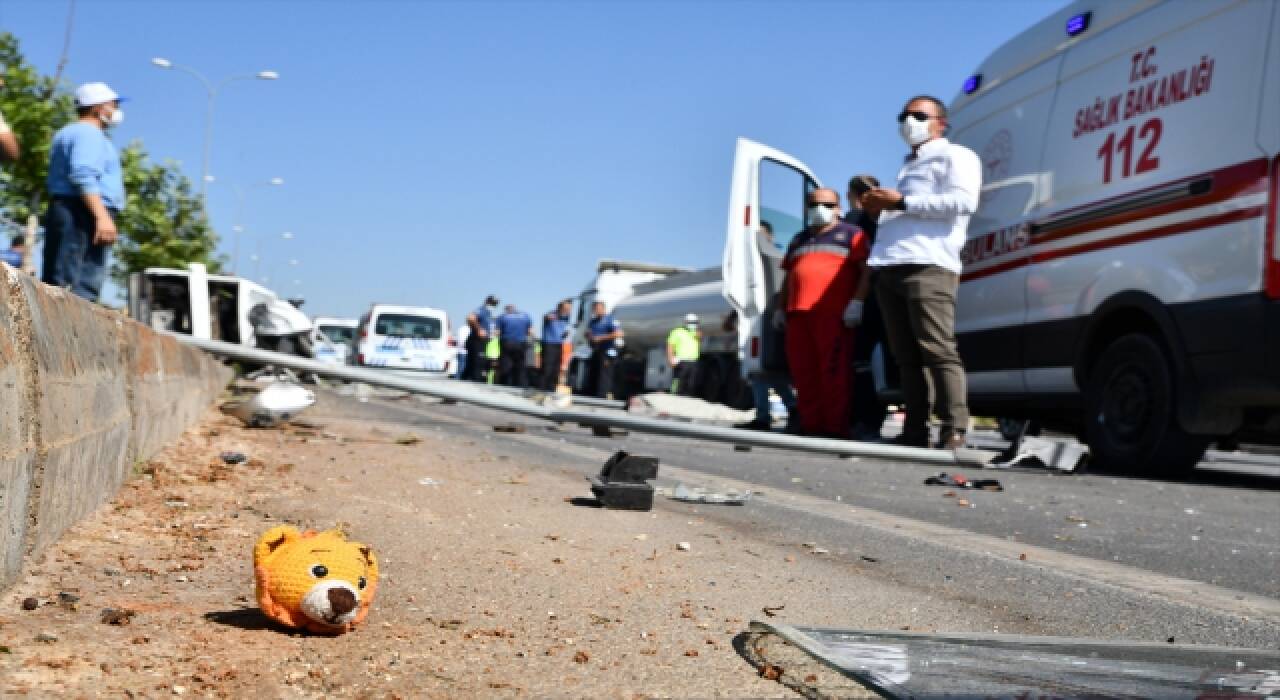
(342, 600)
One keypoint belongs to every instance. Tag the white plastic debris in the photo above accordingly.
(683, 546)
(428, 481)
(276, 403)
(701, 495)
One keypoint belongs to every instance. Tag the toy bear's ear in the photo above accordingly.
(272, 540)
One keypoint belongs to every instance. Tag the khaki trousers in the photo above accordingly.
(918, 303)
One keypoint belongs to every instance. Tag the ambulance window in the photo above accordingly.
(782, 193)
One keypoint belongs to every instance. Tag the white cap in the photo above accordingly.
(91, 94)
(691, 318)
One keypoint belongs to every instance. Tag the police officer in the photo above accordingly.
(514, 327)
(481, 323)
(556, 347)
(683, 346)
(603, 334)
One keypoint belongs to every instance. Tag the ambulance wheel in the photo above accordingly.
(1131, 421)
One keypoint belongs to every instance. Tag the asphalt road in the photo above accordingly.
(1110, 555)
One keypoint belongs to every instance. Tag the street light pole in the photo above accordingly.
(238, 227)
(212, 90)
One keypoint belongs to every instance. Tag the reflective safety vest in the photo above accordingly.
(684, 344)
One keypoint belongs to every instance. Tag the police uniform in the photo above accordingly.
(513, 332)
(477, 369)
(555, 332)
(603, 355)
(822, 276)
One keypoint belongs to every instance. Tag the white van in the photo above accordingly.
(405, 337)
(341, 334)
(1122, 275)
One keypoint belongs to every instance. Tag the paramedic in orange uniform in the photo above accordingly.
(821, 304)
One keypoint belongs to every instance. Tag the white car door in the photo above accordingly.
(768, 186)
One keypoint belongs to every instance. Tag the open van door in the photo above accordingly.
(767, 193)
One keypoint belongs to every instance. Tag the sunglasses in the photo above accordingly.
(917, 115)
(829, 205)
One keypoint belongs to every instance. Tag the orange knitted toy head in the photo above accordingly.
(315, 581)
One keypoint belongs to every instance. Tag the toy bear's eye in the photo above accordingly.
(362, 583)
(319, 571)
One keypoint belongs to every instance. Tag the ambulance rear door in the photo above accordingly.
(768, 191)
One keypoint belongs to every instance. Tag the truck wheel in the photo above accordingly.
(1131, 421)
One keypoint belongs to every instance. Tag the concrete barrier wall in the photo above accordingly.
(85, 393)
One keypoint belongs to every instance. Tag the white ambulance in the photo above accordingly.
(1122, 275)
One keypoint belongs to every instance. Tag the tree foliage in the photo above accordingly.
(34, 108)
(163, 224)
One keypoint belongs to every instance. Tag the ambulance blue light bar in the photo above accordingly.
(1079, 24)
(972, 84)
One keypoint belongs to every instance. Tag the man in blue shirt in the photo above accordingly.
(86, 189)
(556, 345)
(514, 328)
(13, 256)
(481, 323)
(603, 333)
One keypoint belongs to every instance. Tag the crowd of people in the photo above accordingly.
(886, 268)
(889, 269)
(505, 348)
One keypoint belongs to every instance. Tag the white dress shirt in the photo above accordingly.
(940, 187)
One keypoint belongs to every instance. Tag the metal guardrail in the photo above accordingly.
(459, 391)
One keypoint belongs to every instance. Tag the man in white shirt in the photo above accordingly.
(916, 258)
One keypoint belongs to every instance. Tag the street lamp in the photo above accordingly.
(212, 89)
(238, 227)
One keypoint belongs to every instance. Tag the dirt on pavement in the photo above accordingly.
(494, 584)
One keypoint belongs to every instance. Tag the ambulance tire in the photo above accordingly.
(1131, 422)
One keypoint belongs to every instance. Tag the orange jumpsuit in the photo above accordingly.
(822, 275)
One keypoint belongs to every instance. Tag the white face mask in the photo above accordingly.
(821, 215)
(113, 119)
(914, 131)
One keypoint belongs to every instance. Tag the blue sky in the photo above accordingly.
(434, 152)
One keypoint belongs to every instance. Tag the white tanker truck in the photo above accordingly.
(650, 300)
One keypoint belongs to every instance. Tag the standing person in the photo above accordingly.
(464, 332)
(14, 255)
(9, 150)
(86, 189)
(917, 260)
(684, 344)
(480, 322)
(603, 333)
(868, 410)
(557, 346)
(821, 299)
(514, 327)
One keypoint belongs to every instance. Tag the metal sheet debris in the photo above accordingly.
(701, 495)
(916, 665)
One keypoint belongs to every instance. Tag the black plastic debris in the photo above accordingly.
(623, 482)
(960, 481)
(233, 457)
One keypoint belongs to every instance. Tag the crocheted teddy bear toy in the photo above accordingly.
(314, 581)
